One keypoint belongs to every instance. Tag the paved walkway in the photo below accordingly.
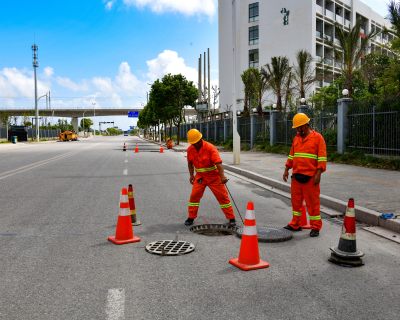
(374, 189)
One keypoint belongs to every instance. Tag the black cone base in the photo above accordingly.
(346, 262)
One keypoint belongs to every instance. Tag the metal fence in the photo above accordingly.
(43, 133)
(374, 131)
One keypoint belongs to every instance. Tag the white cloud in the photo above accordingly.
(125, 79)
(186, 7)
(169, 61)
(71, 85)
(19, 83)
(48, 71)
(103, 84)
(109, 4)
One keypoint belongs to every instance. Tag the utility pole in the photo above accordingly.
(35, 64)
(208, 93)
(236, 136)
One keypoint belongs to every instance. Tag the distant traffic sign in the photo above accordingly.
(131, 127)
(133, 114)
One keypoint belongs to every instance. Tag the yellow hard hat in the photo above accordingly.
(300, 119)
(194, 136)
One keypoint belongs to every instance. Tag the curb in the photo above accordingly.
(364, 215)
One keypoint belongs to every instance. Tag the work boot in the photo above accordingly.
(189, 222)
(289, 227)
(231, 223)
(314, 233)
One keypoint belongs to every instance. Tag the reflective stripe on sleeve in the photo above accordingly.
(321, 159)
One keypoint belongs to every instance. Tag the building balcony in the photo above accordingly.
(318, 34)
(336, 42)
(347, 23)
(319, 59)
(328, 37)
(347, 2)
(320, 10)
(339, 19)
(253, 64)
(329, 14)
(328, 61)
(338, 64)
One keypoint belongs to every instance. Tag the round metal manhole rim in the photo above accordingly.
(170, 247)
(270, 234)
(214, 229)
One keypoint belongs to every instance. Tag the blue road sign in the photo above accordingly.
(133, 114)
(131, 127)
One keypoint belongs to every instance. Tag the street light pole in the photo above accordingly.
(236, 137)
(36, 65)
(94, 115)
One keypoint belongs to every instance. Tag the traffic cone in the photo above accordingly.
(303, 219)
(132, 207)
(161, 149)
(136, 148)
(124, 230)
(346, 252)
(124, 148)
(249, 257)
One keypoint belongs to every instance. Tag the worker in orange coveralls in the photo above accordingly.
(204, 158)
(308, 159)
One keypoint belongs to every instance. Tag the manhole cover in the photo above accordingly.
(270, 234)
(214, 229)
(169, 247)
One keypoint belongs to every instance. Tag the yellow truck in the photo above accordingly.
(68, 136)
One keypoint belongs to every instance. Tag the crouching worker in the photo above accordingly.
(204, 158)
(307, 158)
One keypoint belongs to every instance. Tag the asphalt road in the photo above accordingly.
(59, 203)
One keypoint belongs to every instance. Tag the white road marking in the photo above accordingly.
(125, 172)
(40, 163)
(115, 309)
(126, 161)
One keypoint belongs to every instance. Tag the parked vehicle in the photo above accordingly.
(68, 136)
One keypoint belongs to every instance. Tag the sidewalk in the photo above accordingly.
(375, 190)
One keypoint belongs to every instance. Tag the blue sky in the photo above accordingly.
(104, 51)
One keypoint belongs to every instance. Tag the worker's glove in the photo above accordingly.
(224, 180)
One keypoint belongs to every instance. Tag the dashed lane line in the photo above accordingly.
(40, 163)
(115, 308)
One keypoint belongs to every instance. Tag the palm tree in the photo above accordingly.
(249, 81)
(394, 18)
(354, 45)
(276, 74)
(262, 85)
(303, 72)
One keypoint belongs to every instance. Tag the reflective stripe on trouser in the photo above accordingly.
(219, 191)
(310, 193)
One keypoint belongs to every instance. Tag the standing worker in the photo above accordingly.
(307, 158)
(203, 157)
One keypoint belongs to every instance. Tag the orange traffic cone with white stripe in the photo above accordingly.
(161, 149)
(346, 253)
(303, 219)
(124, 230)
(132, 207)
(249, 257)
(136, 148)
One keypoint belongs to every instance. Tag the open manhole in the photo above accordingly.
(214, 229)
(169, 247)
(270, 234)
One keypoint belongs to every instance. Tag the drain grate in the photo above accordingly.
(270, 234)
(170, 247)
(214, 229)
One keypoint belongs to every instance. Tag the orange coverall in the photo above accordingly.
(305, 157)
(204, 162)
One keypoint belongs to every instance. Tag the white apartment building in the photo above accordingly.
(259, 30)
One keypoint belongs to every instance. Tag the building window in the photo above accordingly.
(253, 12)
(253, 58)
(253, 35)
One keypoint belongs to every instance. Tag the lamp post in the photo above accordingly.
(235, 134)
(94, 115)
(35, 65)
